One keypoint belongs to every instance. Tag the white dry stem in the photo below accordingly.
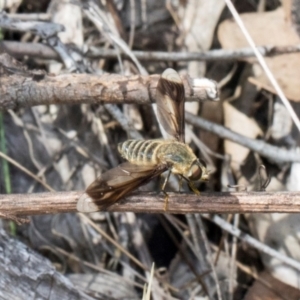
(253, 242)
(147, 290)
(102, 23)
(232, 270)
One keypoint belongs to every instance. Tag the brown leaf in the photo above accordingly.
(268, 29)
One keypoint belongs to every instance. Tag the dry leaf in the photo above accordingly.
(269, 288)
(268, 29)
(242, 124)
(281, 232)
(199, 20)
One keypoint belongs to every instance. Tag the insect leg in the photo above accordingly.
(163, 190)
(180, 184)
(193, 188)
(263, 183)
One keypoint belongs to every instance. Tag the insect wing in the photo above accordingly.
(114, 184)
(170, 103)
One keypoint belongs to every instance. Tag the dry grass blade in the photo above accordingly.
(147, 287)
(111, 240)
(254, 242)
(26, 171)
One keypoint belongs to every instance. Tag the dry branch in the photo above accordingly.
(20, 88)
(276, 154)
(242, 202)
(39, 50)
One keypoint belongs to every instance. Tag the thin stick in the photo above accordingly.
(26, 171)
(206, 245)
(253, 242)
(232, 263)
(37, 88)
(276, 154)
(38, 50)
(241, 202)
(115, 243)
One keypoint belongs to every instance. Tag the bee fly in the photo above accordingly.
(147, 159)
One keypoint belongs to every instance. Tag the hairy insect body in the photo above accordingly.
(178, 156)
(140, 152)
(149, 159)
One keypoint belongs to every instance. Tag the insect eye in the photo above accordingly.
(195, 173)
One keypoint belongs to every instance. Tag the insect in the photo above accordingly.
(147, 159)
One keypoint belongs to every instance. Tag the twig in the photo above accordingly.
(203, 255)
(20, 88)
(241, 202)
(253, 242)
(25, 170)
(232, 263)
(101, 21)
(215, 283)
(111, 240)
(43, 29)
(253, 273)
(30, 16)
(274, 153)
(47, 31)
(39, 50)
(123, 121)
(116, 244)
(199, 277)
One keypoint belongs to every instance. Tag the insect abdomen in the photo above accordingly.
(140, 152)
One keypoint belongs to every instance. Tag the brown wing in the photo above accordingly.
(170, 103)
(114, 184)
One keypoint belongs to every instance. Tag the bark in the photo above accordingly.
(21, 88)
(24, 274)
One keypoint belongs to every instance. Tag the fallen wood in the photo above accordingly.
(25, 274)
